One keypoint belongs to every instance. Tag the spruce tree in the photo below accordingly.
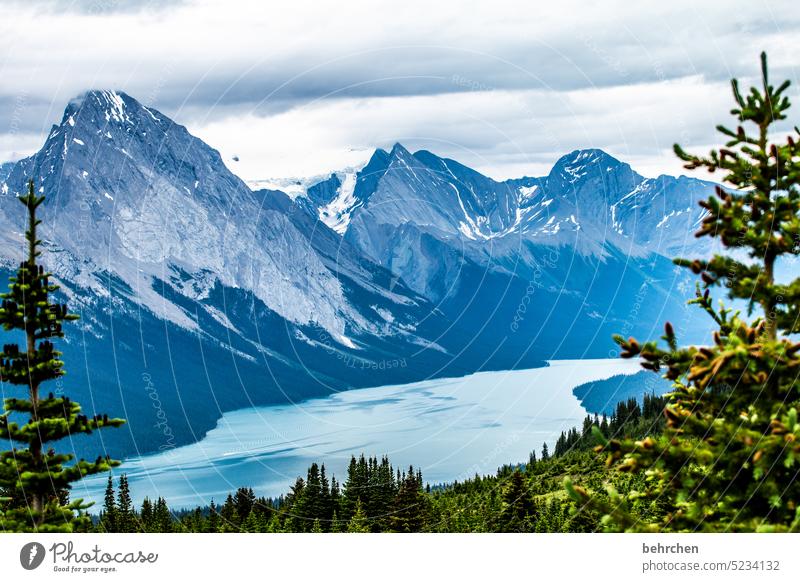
(358, 523)
(162, 517)
(336, 524)
(729, 456)
(335, 498)
(244, 500)
(409, 504)
(274, 525)
(518, 505)
(231, 520)
(295, 502)
(36, 472)
(313, 506)
(326, 508)
(354, 487)
(108, 518)
(213, 518)
(126, 517)
(252, 523)
(194, 522)
(147, 523)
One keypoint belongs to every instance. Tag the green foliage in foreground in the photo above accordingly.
(35, 479)
(729, 457)
(375, 497)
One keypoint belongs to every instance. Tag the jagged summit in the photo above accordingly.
(590, 200)
(399, 149)
(134, 168)
(586, 157)
(105, 106)
(144, 198)
(594, 164)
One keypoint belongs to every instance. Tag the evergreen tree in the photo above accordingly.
(335, 498)
(295, 502)
(146, 519)
(336, 524)
(36, 473)
(126, 517)
(244, 500)
(561, 445)
(518, 505)
(384, 490)
(350, 493)
(314, 498)
(358, 523)
(231, 520)
(253, 523)
(355, 486)
(213, 518)
(409, 505)
(604, 429)
(108, 518)
(728, 457)
(162, 517)
(194, 522)
(545, 452)
(326, 507)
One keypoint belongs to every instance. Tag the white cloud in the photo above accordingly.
(502, 133)
(506, 86)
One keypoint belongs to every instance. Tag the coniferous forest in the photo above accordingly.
(719, 452)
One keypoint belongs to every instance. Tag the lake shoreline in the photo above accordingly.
(450, 427)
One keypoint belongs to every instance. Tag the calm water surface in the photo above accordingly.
(451, 428)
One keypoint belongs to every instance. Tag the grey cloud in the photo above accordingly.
(275, 86)
(90, 7)
(218, 74)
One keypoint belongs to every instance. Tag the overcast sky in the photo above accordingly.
(301, 88)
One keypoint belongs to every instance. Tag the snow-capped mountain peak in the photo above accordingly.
(339, 195)
(141, 197)
(336, 214)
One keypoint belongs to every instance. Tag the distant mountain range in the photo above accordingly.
(199, 295)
